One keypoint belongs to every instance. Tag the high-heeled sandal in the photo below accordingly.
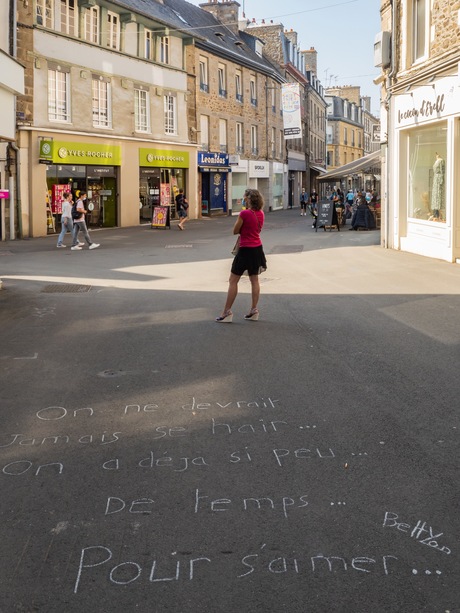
(226, 318)
(253, 315)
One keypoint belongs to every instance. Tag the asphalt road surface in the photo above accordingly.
(152, 460)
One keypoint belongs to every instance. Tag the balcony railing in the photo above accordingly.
(204, 87)
(239, 97)
(222, 93)
(254, 101)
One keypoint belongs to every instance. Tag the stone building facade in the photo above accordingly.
(418, 52)
(306, 156)
(11, 85)
(237, 98)
(104, 111)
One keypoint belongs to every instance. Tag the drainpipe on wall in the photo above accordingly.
(15, 194)
(387, 102)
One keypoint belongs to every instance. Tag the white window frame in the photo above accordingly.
(163, 49)
(69, 17)
(253, 90)
(204, 128)
(420, 25)
(222, 80)
(239, 137)
(91, 25)
(170, 114)
(238, 86)
(223, 135)
(204, 83)
(44, 13)
(101, 102)
(141, 109)
(149, 45)
(58, 95)
(113, 30)
(273, 143)
(254, 141)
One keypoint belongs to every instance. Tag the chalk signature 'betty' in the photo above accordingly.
(419, 530)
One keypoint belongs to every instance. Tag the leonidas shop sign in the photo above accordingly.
(64, 152)
(428, 102)
(163, 158)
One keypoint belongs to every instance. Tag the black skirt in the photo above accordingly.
(250, 260)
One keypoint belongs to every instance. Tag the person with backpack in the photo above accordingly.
(181, 208)
(66, 219)
(78, 216)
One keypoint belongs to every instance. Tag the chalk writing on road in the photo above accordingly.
(173, 569)
(421, 532)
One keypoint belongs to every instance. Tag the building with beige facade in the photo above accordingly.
(305, 156)
(234, 109)
(104, 111)
(418, 51)
(11, 85)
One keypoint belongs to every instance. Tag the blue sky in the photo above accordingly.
(341, 31)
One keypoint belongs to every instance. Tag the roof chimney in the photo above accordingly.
(225, 11)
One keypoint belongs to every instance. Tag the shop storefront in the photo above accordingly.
(277, 185)
(425, 218)
(259, 178)
(239, 182)
(213, 168)
(267, 177)
(81, 167)
(297, 167)
(162, 172)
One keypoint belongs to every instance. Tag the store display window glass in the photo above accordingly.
(239, 186)
(427, 173)
(277, 187)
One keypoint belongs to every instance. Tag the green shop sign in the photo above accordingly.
(63, 152)
(164, 158)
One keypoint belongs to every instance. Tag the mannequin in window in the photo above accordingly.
(438, 193)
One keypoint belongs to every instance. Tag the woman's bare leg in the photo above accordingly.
(255, 290)
(232, 291)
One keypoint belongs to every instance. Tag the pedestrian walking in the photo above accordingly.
(181, 208)
(66, 219)
(313, 206)
(250, 257)
(78, 214)
(303, 202)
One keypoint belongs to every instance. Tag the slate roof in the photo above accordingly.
(191, 20)
(152, 10)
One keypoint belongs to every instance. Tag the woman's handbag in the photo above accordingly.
(237, 246)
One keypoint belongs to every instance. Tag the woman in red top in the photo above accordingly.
(250, 257)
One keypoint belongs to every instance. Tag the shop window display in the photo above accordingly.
(427, 173)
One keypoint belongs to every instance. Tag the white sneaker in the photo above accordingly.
(61, 246)
(94, 246)
(75, 248)
(81, 244)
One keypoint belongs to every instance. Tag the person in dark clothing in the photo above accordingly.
(363, 217)
(181, 208)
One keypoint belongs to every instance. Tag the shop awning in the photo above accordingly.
(316, 168)
(372, 160)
